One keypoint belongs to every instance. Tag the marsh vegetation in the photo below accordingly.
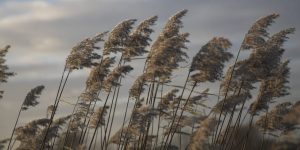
(246, 113)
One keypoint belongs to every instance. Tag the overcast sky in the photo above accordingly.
(42, 33)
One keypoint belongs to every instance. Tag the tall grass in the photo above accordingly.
(161, 114)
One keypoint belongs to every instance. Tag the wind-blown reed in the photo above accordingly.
(165, 115)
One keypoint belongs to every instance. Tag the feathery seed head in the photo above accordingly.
(173, 24)
(118, 37)
(4, 74)
(98, 74)
(292, 119)
(138, 87)
(209, 61)
(230, 102)
(168, 98)
(273, 87)
(274, 118)
(30, 99)
(200, 137)
(258, 32)
(113, 77)
(139, 39)
(83, 55)
(98, 116)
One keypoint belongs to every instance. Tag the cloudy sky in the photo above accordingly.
(42, 33)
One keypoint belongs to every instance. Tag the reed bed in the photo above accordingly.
(246, 113)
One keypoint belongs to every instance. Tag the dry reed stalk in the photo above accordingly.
(82, 55)
(30, 100)
(135, 46)
(254, 39)
(209, 62)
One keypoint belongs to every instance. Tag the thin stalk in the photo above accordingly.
(157, 132)
(265, 130)
(69, 123)
(108, 120)
(55, 107)
(13, 144)
(135, 103)
(248, 133)
(93, 137)
(178, 105)
(113, 104)
(185, 104)
(227, 89)
(230, 119)
(87, 137)
(88, 123)
(149, 95)
(236, 125)
(114, 111)
(215, 133)
(150, 122)
(180, 140)
(14, 129)
(163, 139)
(152, 130)
(73, 139)
(159, 119)
(96, 140)
(53, 142)
(224, 138)
(81, 137)
(101, 136)
(129, 124)
(123, 124)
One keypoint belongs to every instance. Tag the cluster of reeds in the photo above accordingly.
(166, 115)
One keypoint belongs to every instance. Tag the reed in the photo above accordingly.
(249, 91)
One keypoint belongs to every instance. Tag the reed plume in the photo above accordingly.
(83, 55)
(209, 61)
(292, 118)
(274, 119)
(273, 87)
(139, 39)
(230, 102)
(128, 133)
(118, 37)
(258, 32)
(99, 72)
(27, 134)
(199, 139)
(49, 110)
(98, 116)
(138, 87)
(95, 80)
(52, 133)
(4, 73)
(112, 78)
(30, 99)
(166, 51)
(167, 102)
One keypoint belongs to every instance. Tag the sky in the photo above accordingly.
(41, 34)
